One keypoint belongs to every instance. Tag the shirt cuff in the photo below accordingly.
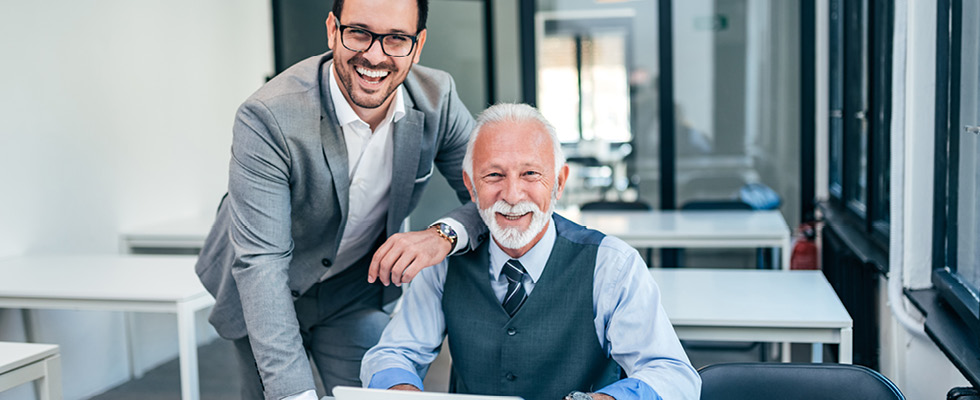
(307, 395)
(387, 378)
(630, 389)
(462, 238)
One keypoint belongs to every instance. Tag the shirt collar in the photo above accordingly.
(533, 261)
(346, 114)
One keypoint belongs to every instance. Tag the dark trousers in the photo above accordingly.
(340, 319)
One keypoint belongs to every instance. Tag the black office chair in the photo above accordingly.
(765, 381)
(607, 205)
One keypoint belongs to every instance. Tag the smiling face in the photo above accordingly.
(514, 182)
(368, 79)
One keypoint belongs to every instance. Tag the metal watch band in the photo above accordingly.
(447, 232)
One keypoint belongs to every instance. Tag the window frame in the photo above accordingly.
(860, 104)
(950, 287)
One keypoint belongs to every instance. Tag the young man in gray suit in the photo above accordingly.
(547, 309)
(328, 158)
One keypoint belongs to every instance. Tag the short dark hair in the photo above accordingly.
(423, 6)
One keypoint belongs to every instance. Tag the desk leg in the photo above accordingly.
(187, 344)
(816, 355)
(132, 346)
(785, 252)
(785, 348)
(846, 346)
(49, 386)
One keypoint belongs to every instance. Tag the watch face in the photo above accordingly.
(448, 230)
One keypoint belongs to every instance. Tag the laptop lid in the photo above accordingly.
(356, 393)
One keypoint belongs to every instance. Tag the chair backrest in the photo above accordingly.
(796, 381)
(716, 205)
(616, 206)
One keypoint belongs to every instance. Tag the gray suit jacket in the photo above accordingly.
(286, 208)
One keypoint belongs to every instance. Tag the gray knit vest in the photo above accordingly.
(549, 348)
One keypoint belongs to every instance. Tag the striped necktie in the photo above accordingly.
(516, 295)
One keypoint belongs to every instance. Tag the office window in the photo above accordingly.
(583, 76)
(860, 112)
(737, 101)
(596, 80)
(956, 273)
(856, 235)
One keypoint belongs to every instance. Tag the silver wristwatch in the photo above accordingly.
(576, 395)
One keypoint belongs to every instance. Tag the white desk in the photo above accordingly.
(25, 362)
(179, 234)
(693, 228)
(157, 284)
(755, 305)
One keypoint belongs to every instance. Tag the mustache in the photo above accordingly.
(523, 207)
(359, 61)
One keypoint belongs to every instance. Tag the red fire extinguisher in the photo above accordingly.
(804, 254)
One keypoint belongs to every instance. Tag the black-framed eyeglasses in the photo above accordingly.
(360, 40)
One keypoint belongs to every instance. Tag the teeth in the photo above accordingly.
(372, 73)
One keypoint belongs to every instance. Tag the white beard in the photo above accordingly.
(514, 238)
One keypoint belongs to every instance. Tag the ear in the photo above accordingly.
(331, 30)
(418, 47)
(469, 186)
(562, 178)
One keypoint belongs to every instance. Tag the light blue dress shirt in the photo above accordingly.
(630, 324)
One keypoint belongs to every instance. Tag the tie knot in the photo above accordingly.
(513, 270)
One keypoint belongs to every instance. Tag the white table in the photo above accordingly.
(185, 234)
(25, 362)
(693, 228)
(755, 305)
(157, 284)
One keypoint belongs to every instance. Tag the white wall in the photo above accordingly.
(114, 114)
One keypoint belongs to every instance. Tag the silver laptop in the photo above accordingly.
(356, 393)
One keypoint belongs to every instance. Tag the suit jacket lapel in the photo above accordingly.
(407, 138)
(334, 146)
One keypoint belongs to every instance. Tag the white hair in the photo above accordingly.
(515, 113)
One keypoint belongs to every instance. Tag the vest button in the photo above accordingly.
(511, 376)
(294, 293)
(326, 262)
(511, 331)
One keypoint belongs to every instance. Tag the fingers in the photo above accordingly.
(398, 268)
(412, 270)
(404, 255)
(375, 269)
(391, 259)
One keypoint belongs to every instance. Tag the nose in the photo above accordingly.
(374, 54)
(513, 192)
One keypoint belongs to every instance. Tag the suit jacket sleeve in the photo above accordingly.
(459, 125)
(259, 192)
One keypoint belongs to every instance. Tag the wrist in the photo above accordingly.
(577, 395)
(405, 386)
(446, 232)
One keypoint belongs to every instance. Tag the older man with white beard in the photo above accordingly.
(547, 309)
